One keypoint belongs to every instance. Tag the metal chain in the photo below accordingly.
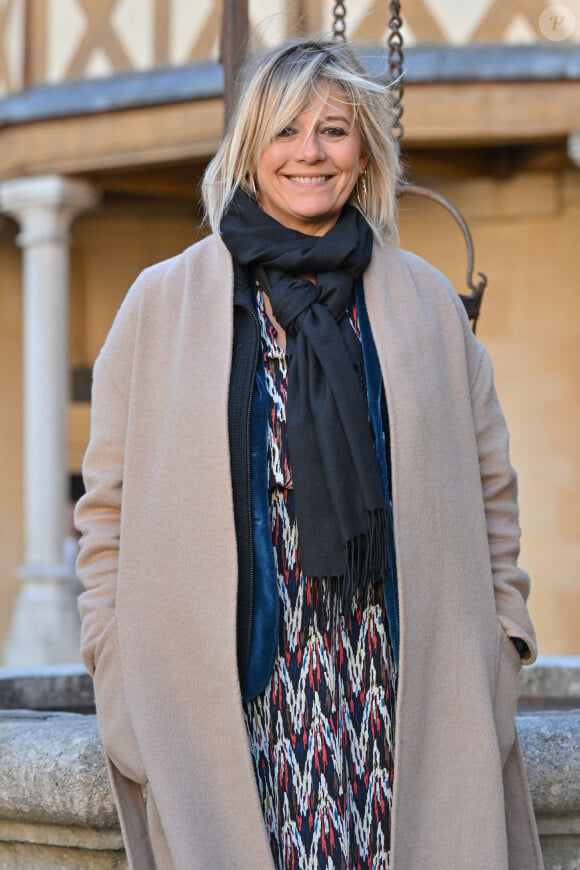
(472, 301)
(395, 45)
(339, 22)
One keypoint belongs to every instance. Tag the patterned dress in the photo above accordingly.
(322, 732)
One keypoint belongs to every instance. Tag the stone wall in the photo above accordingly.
(551, 747)
(56, 808)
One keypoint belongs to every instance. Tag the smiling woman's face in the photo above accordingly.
(308, 171)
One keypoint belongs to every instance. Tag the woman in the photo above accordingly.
(303, 611)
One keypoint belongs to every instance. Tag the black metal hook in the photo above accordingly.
(471, 301)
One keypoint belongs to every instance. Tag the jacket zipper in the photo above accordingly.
(252, 314)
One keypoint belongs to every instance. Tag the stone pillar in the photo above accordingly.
(44, 624)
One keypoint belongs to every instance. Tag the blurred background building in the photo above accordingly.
(109, 111)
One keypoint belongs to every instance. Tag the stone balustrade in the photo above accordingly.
(56, 808)
(57, 811)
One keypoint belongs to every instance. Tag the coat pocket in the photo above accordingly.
(508, 664)
(113, 717)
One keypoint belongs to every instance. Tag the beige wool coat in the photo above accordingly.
(159, 565)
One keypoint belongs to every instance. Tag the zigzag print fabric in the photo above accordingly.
(322, 732)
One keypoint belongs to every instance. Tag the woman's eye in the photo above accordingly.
(287, 131)
(335, 132)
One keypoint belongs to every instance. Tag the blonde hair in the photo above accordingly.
(278, 86)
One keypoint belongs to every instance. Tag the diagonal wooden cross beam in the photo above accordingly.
(416, 14)
(206, 36)
(99, 34)
(501, 13)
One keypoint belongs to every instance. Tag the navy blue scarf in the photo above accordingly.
(340, 507)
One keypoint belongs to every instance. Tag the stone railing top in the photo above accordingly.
(551, 748)
(53, 771)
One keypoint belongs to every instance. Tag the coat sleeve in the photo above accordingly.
(98, 512)
(500, 497)
(99, 519)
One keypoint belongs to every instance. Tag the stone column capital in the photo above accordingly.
(44, 206)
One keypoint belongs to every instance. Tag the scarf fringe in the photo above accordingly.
(366, 557)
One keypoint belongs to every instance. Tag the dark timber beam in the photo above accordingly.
(233, 48)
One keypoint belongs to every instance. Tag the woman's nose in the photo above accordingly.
(312, 149)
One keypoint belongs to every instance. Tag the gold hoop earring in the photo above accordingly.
(362, 192)
(253, 185)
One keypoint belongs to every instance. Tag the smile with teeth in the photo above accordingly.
(308, 179)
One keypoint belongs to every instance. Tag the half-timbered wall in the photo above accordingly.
(55, 40)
